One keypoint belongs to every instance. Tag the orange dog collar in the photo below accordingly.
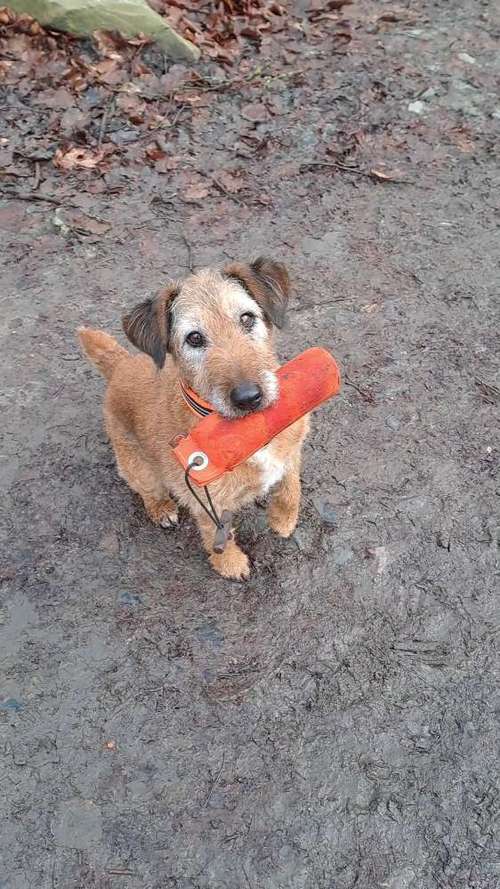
(194, 402)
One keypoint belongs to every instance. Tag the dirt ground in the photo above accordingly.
(333, 722)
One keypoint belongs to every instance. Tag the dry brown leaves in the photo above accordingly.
(88, 111)
(79, 158)
(194, 193)
(221, 28)
(255, 112)
(230, 181)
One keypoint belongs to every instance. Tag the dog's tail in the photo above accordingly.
(102, 349)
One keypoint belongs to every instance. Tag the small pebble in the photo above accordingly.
(465, 57)
(326, 511)
(12, 705)
(416, 107)
(126, 598)
(392, 423)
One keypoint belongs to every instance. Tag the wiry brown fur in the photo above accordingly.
(144, 409)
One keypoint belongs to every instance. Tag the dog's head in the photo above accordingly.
(218, 328)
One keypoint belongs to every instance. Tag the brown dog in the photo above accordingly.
(214, 332)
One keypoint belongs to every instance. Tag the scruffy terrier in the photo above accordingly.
(214, 334)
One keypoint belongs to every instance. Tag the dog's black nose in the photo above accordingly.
(246, 396)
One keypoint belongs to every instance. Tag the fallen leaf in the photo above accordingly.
(255, 112)
(89, 225)
(59, 99)
(229, 181)
(154, 152)
(276, 105)
(154, 121)
(194, 193)
(77, 158)
(109, 44)
(385, 177)
(286, 170)
(66, 221)
(174, 78)
(167, 164)
(74, 120)
(6, 17)
(464, 140)
(106, 66)
(264, 199)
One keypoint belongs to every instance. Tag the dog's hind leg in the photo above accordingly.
(144, 478)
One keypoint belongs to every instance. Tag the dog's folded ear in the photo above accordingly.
(268, 284)
(148, 325)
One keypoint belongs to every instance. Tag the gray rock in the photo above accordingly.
(417, 107)
(392, 422)
(130, 599)
(464, 97)
(327, 511)
(11, 705)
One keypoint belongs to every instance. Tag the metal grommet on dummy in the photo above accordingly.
(197, 461)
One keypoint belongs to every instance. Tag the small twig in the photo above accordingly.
(189, 253)
(339, 483)
(214, 784)
(228, 194)
(489, 392)
(246, 877)
(367, 396)
(316, 305)
(336, 166)
(122, 873)
(163, 198)
(104, 121)
(34, 196)
(241, 81)
(178, 114)
(369, 174)
(36, 182)
(230, 81)
(15, 174)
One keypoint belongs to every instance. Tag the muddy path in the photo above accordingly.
(333, 722)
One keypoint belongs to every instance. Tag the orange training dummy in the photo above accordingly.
(217, 445)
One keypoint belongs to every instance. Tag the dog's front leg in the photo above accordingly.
(283, 509)
(232, 563)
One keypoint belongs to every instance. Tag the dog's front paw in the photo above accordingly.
(232, 563)
(163, 512)
(284, 523)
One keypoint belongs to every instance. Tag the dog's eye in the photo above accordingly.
(247, 320)
(195, 340)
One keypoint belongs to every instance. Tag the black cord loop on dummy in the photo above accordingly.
(210, 509)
